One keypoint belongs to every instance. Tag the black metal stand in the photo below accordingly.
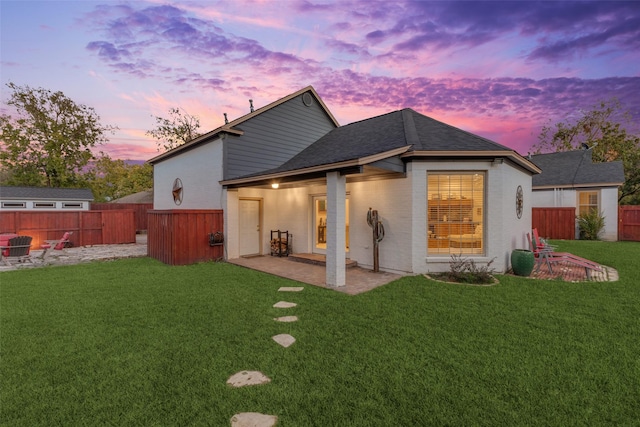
(281, 243)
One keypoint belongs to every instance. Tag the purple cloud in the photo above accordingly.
(107, 50)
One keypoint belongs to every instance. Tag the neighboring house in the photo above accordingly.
(45, 199)
(571, 179)
(438, 190)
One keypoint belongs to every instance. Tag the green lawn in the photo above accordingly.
(136, 342)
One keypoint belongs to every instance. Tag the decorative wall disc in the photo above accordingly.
(177, 191)
(519, 201)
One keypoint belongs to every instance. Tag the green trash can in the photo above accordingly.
(522, 262)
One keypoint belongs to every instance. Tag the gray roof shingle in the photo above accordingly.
(575, 168)
(45, 193)
(384, 133)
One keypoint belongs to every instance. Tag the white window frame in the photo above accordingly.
(588, 205)
(14, 205)
(462, 245)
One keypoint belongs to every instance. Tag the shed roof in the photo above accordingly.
(45, 193)
(576, 169)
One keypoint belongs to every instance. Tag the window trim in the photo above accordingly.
(579, 205)
(437, 248)
(14, 205)
(44, 205)
(72, 205)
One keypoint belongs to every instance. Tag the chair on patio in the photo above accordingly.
(57, 245)
(17, 250)
(545, 253)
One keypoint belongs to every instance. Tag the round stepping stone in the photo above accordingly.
(286, 319)
(245, 378)
(284, 304)
(253, 419)
(284, 340)
(291, 289)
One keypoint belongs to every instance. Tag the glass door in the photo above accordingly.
(320, 224)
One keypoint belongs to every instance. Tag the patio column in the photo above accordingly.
(336, 225)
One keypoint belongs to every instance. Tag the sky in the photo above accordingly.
(501, 70)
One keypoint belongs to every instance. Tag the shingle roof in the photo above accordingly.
(46, 193)
(385, 133)
(575, 168)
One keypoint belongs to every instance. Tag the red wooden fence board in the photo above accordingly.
(181, 236)
(88, 227)
(629, 223)
(555, 223)
(140, 211)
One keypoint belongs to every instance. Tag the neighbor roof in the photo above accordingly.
(576, 169)
(45, 193)
(140, 197)
(403, 132)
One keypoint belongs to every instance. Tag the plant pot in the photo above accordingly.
(522, 261)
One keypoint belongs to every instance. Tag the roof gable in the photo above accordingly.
(234, 127)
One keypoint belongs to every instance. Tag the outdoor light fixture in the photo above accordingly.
(275, 185)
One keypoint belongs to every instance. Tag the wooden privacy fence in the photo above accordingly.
(629, 223)
(88, 227)
(555, 223)
(139, 211)
(181, 236)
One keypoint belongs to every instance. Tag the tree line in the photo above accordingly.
(51, 141)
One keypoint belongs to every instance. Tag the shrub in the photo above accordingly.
(464, 270)
(591, 225)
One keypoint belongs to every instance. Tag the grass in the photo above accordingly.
(136, 342)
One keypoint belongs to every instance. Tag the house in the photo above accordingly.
(438, 190)
(45, 199)
(571, 179)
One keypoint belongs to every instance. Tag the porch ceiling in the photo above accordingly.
(353, 174)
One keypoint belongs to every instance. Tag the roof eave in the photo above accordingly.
(576, 186)
(347, 164)
(511, 155)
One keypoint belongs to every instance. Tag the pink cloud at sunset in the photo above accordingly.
(501, 70)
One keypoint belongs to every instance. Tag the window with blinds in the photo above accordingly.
(455, 213)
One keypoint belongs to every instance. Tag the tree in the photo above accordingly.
(599, 130)
(49, 142)
(111, 179)
(170, 133)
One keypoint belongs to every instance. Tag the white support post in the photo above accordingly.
(231, 219)
(336, 226)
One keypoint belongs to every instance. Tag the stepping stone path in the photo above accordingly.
(286, 319)
(284, 304)
(244, 378)
(284, 340)
(253, 419)
(290, 289)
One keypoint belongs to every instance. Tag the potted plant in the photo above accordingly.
(522, 262)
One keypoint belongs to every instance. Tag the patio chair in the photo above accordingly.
(17, 250)
(546, 253)
(57, 245)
